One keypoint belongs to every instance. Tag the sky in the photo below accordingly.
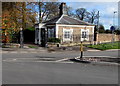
(106, 9)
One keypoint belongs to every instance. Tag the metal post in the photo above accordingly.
(21, 38)
(5, 38)
(112, 37)
(46, 38)
(81, 50)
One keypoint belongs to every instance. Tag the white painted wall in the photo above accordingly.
(38, 33)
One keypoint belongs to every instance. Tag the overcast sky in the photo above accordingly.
(106, 10)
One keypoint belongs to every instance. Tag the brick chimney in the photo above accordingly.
(63, 10)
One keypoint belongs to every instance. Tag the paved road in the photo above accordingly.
(62, 54)
(19, 71)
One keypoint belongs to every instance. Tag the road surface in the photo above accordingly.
(27, 69)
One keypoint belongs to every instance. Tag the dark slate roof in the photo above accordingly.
(52, 21)
(66, 20)
(71, 21)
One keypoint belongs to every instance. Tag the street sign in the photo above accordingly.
(112, 28)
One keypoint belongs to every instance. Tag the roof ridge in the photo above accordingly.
(59, 18)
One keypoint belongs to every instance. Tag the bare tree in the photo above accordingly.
(48, 10)
(81, 13)
(70, 11)
(92, 17)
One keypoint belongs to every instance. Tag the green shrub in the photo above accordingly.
(54, 40)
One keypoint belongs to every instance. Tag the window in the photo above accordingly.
(51, 32)
(67, 34)
(84, 34)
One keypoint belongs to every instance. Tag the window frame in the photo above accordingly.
(86, 34)
(69, 36)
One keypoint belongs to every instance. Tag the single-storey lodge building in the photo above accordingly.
(66, 28)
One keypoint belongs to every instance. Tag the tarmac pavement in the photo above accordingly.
(58, 50)
(52, 49)
(40, 66)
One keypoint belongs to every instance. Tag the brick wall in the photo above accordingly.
(107, 37)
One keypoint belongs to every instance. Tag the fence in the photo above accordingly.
(77, 39)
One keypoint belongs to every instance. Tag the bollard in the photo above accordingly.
(81, 50)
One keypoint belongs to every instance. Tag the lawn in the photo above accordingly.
(106, 46)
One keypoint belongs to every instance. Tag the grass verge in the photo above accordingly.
(106, 46)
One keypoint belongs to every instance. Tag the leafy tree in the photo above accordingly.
(101, 29)
(107, 31)
(14, 16)
(117, 31)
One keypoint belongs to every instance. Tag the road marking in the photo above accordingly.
(23, 52)
(14, 52)
(4, 51)
(30, 60)
(14, 59)
(62, 59)
(66, 62)
(33, 52)
(113, 50)
(94, 50)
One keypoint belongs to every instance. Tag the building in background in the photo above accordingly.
(66, 28)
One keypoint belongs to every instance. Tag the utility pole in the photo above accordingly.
(98, 22)
(97, 29)
(113, 26)
(114, 18)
